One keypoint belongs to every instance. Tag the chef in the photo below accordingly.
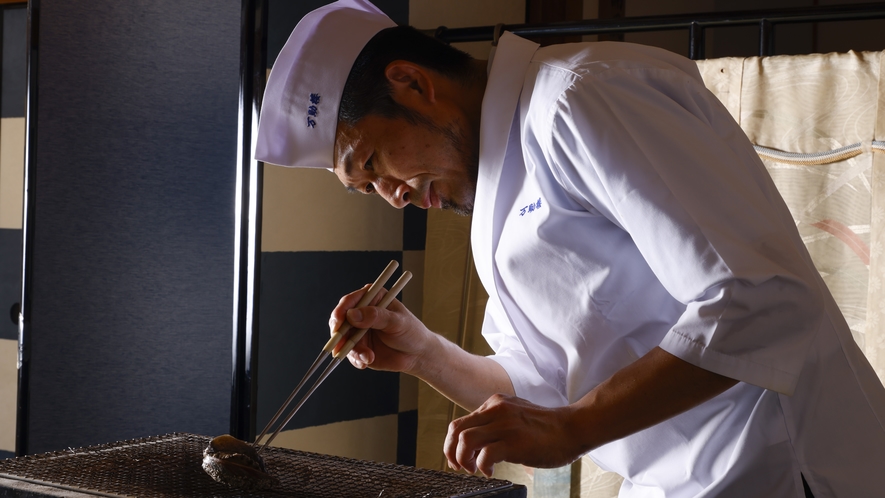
(651, 303)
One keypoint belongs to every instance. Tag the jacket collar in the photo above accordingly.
(508, 65)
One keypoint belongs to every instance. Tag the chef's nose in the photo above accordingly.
(396, 193)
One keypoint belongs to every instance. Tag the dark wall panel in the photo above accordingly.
(414, 228)
(283, 15)
(133, 220)
(298, 292)
(12, 105)
(407, 437)
(12, 99)
(10, 279)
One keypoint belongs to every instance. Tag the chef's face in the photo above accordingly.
(421, 162)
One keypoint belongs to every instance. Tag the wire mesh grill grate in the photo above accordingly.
(170, 466)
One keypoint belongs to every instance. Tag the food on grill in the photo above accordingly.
(236, 463)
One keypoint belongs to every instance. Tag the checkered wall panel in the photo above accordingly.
(12, 146)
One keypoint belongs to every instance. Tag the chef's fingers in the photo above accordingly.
(345, 303)
(464, 439)
(358, 360)
(488, 457)
(349, 301)
(450, 446)
(477, 448)
(376, 318)
(362, 355)
(470, 443)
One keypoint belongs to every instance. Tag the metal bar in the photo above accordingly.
(22, 429)
(825, 13)
(766, 38)
(247, 243)
(696, 42)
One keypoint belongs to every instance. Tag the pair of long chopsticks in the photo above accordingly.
(337, 348)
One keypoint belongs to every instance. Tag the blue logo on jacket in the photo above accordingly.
(531, 208)
(313, 110)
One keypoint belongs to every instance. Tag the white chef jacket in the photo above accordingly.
(619, 207)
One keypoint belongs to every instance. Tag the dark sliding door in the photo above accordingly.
(129, 221)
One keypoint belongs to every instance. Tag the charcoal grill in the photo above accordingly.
(170, 466)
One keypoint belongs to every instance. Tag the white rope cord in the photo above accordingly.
(814, 158)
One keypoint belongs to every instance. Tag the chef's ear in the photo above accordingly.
(412, 85)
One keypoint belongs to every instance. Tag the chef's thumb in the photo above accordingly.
(354, 316)
(368, 317)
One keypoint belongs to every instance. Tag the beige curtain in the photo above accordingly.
(818, 123)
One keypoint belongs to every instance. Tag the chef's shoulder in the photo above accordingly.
(602, 59)
(557, 73)
(557, 69)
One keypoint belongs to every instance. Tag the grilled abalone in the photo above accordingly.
(236, 463)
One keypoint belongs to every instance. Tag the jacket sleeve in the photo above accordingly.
(511, 355)
(657, 154)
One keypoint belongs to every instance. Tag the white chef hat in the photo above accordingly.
(299, 113)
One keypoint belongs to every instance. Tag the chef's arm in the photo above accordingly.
(400, 342)
(651, 390)
(466, 379)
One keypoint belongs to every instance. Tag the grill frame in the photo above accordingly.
(169, 466)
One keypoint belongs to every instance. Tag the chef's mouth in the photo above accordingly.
(434, 200)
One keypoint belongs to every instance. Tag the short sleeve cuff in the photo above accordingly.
(742, 369)
(527, 383)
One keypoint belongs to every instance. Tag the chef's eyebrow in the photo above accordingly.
(348, 167)
(348, 162)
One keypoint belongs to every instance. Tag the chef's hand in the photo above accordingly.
(397, 341)
(507, 428)
(652, 389)
(396, 337)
